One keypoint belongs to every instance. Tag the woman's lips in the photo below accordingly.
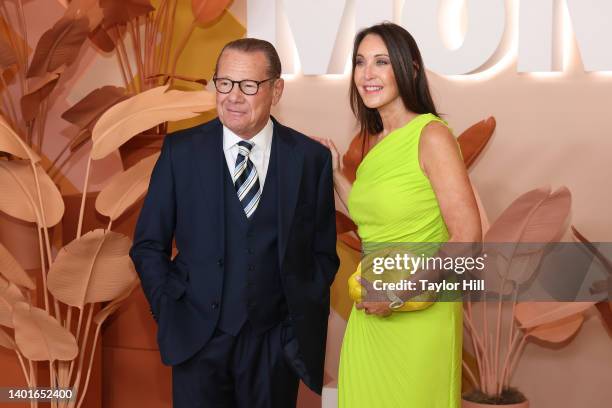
(369, 89)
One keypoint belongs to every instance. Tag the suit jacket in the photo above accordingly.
(185, 202)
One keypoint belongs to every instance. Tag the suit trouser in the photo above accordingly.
(245, 371)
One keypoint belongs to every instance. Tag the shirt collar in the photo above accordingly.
(261, 140)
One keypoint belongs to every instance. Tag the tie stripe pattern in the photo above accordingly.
(245, 179)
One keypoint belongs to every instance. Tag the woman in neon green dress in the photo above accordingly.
(412, 186)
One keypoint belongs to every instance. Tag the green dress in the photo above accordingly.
(409, 359)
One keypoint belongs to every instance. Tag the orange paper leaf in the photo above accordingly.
(474, 139)
(344, 223)
(12, 271)
(40, 89)
(206, 11)
(357, 150)
(7, 55)
(126, 188)
(144, 111)
(533, 314)
(58, 46)
(118, 12)
(89, 109)
(6, 340)
(536, 216)
(40, 337)
(559, 331)
(19, 196)
(93, 268)
(109, 309)
(85, 8)
(9, 296)
(10, 142)
(101, 39)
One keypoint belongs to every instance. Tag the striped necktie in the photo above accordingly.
(245, 179)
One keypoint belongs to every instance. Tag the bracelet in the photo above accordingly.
(396, 302)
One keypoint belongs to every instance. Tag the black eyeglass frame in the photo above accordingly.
(258, 83)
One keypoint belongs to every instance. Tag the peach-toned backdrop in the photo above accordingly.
(551, 129)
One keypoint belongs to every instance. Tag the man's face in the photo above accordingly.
(246, 115)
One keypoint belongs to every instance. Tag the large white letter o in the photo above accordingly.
(486, 23)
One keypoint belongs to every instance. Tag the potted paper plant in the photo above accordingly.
(55, 318)
(539, 216)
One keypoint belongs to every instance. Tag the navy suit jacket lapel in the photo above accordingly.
(290, 162)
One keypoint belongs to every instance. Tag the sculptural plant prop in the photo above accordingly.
(538, 216)
(122, 27)
(94, 268)
(87, 279)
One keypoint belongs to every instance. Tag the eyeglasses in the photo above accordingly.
(247, 86)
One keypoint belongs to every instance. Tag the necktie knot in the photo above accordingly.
(245, 147)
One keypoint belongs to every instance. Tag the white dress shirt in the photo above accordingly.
(260, 153)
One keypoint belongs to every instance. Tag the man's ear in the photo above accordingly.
(277, 90)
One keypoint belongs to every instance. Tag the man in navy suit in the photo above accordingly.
(242, 309)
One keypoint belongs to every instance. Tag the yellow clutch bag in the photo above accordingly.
(356, 290)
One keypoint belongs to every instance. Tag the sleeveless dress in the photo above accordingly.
(409, 359)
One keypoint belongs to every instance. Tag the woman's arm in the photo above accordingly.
(341, 183)
(440, 159)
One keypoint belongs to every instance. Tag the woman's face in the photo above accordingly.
(373, 74)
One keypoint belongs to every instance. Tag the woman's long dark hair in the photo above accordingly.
(405, 57)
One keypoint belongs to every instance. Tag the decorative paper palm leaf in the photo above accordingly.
(86, 112)
(559, 331)
(40, 89)
(89, 109)
(11, 143)
(58, 46)
(109, 309)
(11, 270)
(344, 223)
(126, 188)
(40, 337)
(7, 55)
(145, 111)
(118, 12)
(604, 307)
(354, 155)
(536, 217)
(18, 196)
(206, 11)
(9, 296)
(100, 38)
(93, 268)
(6, 340)
(605, 310)
(474, 139)
(85, 8)
(533, 314)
